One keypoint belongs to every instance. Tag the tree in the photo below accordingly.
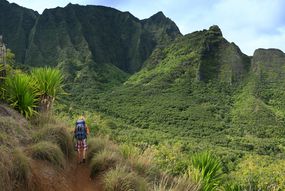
(49, 85)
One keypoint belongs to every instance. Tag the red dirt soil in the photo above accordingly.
(74, 177)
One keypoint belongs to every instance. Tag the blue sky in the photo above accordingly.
(250, 24)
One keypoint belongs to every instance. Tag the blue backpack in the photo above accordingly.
(80, 132)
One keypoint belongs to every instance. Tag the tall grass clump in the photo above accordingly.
(103, 161)
(119, 179)
(96, 145)
(168, 183)
(20, 94)
(6, 183)
(144, 166)
(206, 169)
(49, 85)
(49, 152)
(58, 135)
(129, 151)
(21, 168)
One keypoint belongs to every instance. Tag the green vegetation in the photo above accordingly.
(206, 170)
(20, 94)
(155, 92)
(126, 167)
(48, 82)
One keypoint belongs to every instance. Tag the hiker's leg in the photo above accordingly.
(84, 150)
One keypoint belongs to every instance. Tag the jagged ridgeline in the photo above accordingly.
(94, 42)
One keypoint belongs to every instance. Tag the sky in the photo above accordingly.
(250, 24)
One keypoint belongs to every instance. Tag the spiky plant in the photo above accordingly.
(49, 83)
(207, 170)
(19, 92)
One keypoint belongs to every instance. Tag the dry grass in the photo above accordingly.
(143, 165)
(49, 152)
(6, 166)
(120, 179)
(56, 134)
(96, 145)
(103, 161)
(168, 183)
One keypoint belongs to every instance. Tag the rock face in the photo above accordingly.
(269, 64)
(16, 24)
(202, 56)
(83, 34)
(221, 59)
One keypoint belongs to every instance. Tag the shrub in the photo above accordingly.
(19, 92)
(49, 152)
(103, 161)
(58, 135)
(48, 84)
(119, 179)
(207, 170)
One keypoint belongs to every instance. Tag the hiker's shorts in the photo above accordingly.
(81, 144)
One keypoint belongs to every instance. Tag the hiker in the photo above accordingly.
(81, 132)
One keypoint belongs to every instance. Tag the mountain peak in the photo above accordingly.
(216, 29)
(158, 16)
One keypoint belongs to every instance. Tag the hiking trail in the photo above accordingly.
(74, 177)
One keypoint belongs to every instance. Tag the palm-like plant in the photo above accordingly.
(49, 83)
(19, 92)
(207, 170)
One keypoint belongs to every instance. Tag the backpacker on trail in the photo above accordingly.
(80, 134)
(80, 131)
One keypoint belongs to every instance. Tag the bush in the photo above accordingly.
(119, 179)
(103, 161)
(207, 170)
(49, 152)
(49, 83)
(20, 93)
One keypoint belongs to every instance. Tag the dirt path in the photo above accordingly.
(73, 177)
(82, 181)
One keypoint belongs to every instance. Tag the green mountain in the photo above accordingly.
(203, 91)
(96, 47)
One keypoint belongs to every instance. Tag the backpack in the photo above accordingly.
(80, 131)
